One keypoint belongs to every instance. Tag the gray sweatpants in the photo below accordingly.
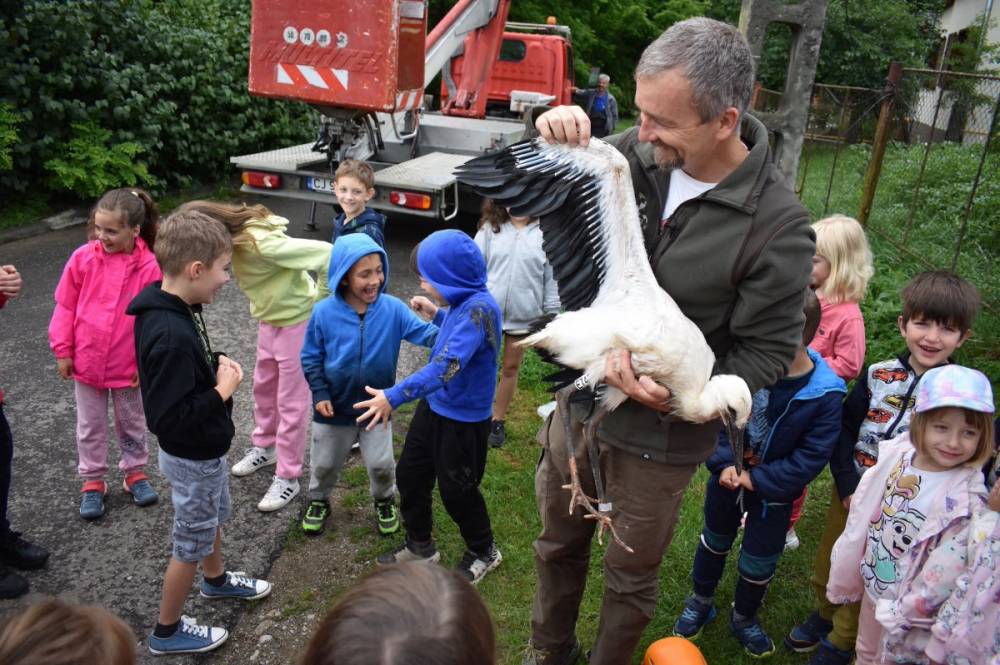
(330, 446)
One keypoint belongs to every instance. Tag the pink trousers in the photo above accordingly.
(868, 648)
(281, 396)
(92, 429)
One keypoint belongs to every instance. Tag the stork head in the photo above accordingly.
(732, 398)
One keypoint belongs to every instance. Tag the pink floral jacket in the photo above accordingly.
(89, 323)
(935, 559)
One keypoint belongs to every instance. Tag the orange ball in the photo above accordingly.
(673, 651)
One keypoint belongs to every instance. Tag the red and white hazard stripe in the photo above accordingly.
(409, 99)
(307, 75)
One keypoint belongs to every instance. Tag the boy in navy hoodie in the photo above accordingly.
(793, 428)
(353, 341)
(187, 394)
(447, 436)
(354, 185)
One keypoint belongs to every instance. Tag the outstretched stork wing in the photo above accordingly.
(534, 179)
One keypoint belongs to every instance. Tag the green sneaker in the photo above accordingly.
(315, 519)
(386, 516)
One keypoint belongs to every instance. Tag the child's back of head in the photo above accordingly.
(54, 632)
(412, 613)
(942, 297)
(813, 312)
(233, 215)
(841, 242)
(189, 236)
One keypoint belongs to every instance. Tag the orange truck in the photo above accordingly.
(366, 68)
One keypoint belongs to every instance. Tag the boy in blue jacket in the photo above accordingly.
(352, 341)
(447, 436)
(354, 185)
(793, 428)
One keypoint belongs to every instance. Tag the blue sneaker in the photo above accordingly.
(237, 585)
(693, 618)
(92, 501)
(143, 494)
(753, 638)
(827, 654)
(807, 635)
(189, 638)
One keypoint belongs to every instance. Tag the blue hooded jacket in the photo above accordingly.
(343, 352)
(459, 380)
(369, 221)
(799, 443)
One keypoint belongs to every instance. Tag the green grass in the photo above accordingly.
(22, 210)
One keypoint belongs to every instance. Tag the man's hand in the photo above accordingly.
(325, 408)
(423, 306)
(564, 124)
(65, 367)
(377, 408)
(10, 281)
(618, 374)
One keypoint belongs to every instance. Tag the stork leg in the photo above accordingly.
(577, 496)
(603, 513)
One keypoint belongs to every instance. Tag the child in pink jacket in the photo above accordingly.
(92, 339)
(911, 513)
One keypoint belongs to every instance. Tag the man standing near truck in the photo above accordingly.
(600, 106)
(733, 247)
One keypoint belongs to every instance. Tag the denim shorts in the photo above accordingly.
(199, 490)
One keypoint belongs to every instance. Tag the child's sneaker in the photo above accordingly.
(753, 638)
(693, 618)
(474, 567)
(279, 494)
(411, 551)
(827, 654)
(314, 520)
(386, 516)
(807, 635)
(237, 585)
(498, 434)
(791, 540)
(137, 484)
(92, 501)
(12, 585)
(190, 637)
(253, 459)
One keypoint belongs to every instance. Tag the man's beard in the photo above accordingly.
(666, 159)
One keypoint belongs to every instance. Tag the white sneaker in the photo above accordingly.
(791, 540)
(474, 567)
(279, 494)
(254, 458)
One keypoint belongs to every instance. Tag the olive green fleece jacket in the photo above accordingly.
(273, 272)
(743, 290)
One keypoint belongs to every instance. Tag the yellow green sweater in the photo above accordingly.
(274, 275)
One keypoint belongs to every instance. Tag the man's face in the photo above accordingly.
(602, 86)
(670, 122)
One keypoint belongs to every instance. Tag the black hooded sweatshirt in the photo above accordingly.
(177, 377)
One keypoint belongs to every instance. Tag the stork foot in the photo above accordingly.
(592, 508)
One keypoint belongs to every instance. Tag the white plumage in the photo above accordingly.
(592, 238)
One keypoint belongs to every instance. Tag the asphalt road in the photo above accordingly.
(118, 561)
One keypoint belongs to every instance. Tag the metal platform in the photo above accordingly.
(429, 172)
(295, 158)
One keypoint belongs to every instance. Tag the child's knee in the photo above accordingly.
(716, 543)
(757, 569)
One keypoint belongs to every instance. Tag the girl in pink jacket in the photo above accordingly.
(92, 339)
(910, 516)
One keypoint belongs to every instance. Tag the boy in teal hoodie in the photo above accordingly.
(352, 341)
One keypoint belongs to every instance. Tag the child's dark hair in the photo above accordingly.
(941, 296)
(414, 268)
(494, 214)
(413, 613)
(356, 169)
(813, 311)
(53, 632)
(136, 208)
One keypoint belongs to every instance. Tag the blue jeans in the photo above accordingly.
(763, 543)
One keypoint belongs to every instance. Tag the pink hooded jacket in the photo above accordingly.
(89, 323)
(943, 533)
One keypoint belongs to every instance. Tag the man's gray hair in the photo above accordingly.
(604, 77)
(712, 55)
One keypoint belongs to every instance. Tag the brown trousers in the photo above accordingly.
(646, 498)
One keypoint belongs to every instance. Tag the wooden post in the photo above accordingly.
(882, 131)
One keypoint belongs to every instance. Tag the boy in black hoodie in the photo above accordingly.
(187, 395)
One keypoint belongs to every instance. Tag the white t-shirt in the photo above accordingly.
(682, 188)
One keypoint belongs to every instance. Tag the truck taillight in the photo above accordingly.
(410, 200)
(262, 180)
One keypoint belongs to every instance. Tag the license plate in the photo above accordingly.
(320, 184)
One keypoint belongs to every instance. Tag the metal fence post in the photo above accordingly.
(882, 131)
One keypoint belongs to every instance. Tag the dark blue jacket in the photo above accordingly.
(369, 221)
(800, 441)
(459, 380)
(343, 352)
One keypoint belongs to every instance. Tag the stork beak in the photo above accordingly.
(735, 435)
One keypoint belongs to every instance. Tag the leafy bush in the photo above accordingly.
(91, 166)
(8, 135)
(167, 76)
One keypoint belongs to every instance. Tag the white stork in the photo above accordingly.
(592, 238)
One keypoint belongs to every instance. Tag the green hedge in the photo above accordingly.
(166, 79)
